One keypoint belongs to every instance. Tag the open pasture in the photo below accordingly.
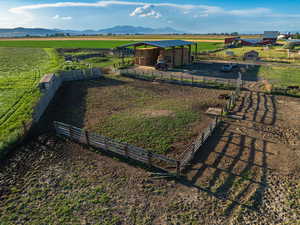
(162, 117)
(20, 72)
(274, 54)
(40, 43)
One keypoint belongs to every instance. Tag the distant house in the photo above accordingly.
(252, 55)
(270, 37)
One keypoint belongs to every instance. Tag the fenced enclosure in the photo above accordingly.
(123, 149)
(72, 75)
(179, 78)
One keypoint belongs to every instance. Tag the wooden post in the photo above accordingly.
(181, 78)
(190, 53)
(192, 80)
(87, 141)
(178, 168)
(182, 54)
(149, 157)
(70, 131)
(126, 151)
(173, 56)
(196, 50)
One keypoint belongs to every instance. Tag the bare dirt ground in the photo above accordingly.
(255, 162)
(248, 173)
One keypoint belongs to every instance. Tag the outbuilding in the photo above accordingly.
(173, 52)
(251, 55)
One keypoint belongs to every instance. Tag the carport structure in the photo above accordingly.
(174, 52)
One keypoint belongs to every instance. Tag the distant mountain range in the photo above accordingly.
(21, 32)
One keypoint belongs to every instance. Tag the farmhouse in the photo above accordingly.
(172, 52)
(269, 38)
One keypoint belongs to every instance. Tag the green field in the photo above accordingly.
(274, 54)
(20, 72)
(88, 44)
(63, 44)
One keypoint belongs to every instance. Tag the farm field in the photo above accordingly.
(203, 37)
(161, 117)
(204, 46)
(275, 54)
(20, 72)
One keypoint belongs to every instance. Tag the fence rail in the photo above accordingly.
(178, 78)
(189, 154)
(127, 150)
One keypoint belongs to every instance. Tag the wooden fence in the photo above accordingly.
(123, 149)
(189, 154)
(191, 151)
(178, 78)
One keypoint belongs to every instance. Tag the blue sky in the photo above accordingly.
(199, 16)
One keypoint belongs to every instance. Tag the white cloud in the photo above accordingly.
(143, 9)
(146, 11)
(251, 12)
(143, 6)
(58, 17)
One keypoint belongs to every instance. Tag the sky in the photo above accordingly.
(195, 16)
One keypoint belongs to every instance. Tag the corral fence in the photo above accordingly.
(189, 154)
(123, 149)
(178, 78)
(123, 63)
(63, 76)
(146, 156)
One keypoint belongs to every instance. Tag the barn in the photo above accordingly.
(173, 52)
(270, 37)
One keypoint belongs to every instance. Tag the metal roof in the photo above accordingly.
(271, 34)
(293, 40)
(253, 41)
(160, 44)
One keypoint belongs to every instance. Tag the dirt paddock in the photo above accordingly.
(142, 113)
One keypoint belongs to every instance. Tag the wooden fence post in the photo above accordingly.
(149, 154)
(178, 168)
(70, 131)
(87, 139)
(192, 80)
(126, 151)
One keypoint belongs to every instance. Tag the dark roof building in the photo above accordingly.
(172, 52)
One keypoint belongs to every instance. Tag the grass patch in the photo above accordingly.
(21, 69)
(274, 54)
(63, 44)
(157, 133)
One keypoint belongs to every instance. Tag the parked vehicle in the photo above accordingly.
(227, 68)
